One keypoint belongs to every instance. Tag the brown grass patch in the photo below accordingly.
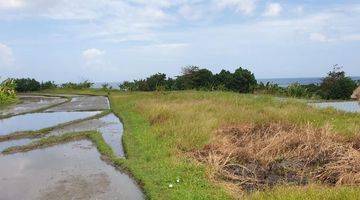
(254, 157)
(159, 118)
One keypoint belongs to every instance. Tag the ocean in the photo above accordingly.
(284, 82)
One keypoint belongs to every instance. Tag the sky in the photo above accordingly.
(117, 40)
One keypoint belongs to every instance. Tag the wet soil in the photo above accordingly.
(109, 125)
(83, 103)
(31, 103)
(69, 171)
(37, 121)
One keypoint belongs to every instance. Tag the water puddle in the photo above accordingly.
(6, 144)
(109, 125)
(30, 103)
(112, 133)
(69, 171)
(347, 106)
(83, 103)
(37, 121)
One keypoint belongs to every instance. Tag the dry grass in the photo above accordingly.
(259, 156)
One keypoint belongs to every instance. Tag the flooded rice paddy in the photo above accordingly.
(109, 125)
(83, 103)
(11, 143)
(37, 121)
(31, 103)
(347, 106)
(68, 171)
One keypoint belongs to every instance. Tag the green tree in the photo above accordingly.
(155, 81)
(27, 85)
(337, 85)
(242, 81)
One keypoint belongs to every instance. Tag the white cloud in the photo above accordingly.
(352, 37)
(11, 4)
(273, 9)
(92, 54)
(242, 6)
(190, 13)
(319, 37)
(6, 56)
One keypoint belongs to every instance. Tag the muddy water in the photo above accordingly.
(109, 125)
(70, 171)
(36, 121)
(31, 103)
(347, 106)
(11, 143)
(83, 103)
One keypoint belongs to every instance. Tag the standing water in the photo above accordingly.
(347, 106)
(37, 121)
(70, 171)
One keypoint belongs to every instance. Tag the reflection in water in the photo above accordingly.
(83, 103)
(70, 171)
(36, 121)
(347, 106)
(109, 125)
(112, 133)
(11, 143)
(30, 103)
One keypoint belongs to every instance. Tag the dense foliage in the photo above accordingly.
(337, 85)
(83, 85)
(193, 77)
(27, 85)
(7, 91)
(32, 85)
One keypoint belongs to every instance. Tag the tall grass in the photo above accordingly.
(7, 92)
(162, 128)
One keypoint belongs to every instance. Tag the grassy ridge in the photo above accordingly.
(161, 129)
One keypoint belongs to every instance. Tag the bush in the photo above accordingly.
(27, 85)
(296, 90)
(83, 85)
(7, 91)
(193, 77)
(47, 85)
(337, 85)
(270, 88)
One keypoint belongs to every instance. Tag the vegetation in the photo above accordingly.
(32, 85)
(27, 85)
(164, 130)
(7, 92)
(193, 77)
(82, 85)
(336, 85)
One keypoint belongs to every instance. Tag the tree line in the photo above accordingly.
(195, 78)
(336, 85)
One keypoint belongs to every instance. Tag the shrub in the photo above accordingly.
(48, 85)
(193, 77)
(270, 88)
(83, 85)
(337, 85)
(7, 91)
(27, 85)
(297, 90)
(242, 81)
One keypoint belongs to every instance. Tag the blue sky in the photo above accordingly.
(116, 40)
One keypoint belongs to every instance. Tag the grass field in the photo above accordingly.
(162, 130)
